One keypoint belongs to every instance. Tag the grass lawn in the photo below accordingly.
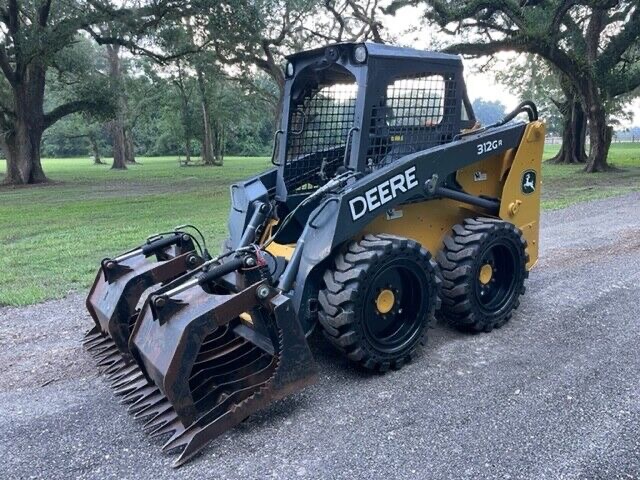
(53, 236)
(564, 185)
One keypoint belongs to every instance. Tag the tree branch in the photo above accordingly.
(627, 36)
(8, 72)
(43, 13)
(67, 109)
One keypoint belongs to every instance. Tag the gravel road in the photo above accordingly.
(553, 394)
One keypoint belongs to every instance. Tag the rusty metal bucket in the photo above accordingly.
(202, 357)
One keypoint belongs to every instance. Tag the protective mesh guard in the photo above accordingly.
(318, 128)
(414, 113)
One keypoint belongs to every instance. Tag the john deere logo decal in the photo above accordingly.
(528, 184)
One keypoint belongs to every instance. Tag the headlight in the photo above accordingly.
(360, 54)
(290, 70)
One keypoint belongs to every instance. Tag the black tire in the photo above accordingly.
(469, 303)
(352, 322)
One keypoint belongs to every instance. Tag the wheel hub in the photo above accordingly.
(385, 301)
(486, 274)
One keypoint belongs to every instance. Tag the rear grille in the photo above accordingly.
(414, 113)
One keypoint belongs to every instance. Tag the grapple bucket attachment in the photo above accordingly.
(119, 286)
(204, 356)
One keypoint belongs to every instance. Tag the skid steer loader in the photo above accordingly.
(387, 201)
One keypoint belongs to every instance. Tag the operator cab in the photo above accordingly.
(361, 107)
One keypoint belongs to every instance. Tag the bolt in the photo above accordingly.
(159, 302)
(263, 292)
(185, 238)
(250, 262)
(110, 265)
(192, 260)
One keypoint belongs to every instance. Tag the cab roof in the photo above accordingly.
(380, 50)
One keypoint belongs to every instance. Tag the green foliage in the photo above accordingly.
(531, 78)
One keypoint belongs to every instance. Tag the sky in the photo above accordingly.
(479, 85)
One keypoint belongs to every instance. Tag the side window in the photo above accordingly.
(416, 101)
(323, 118)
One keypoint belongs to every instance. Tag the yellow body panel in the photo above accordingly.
(523, 210)
(426, 222)
(281, 250)
(499, 176)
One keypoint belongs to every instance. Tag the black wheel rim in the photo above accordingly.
(494, 295)
(395, 330)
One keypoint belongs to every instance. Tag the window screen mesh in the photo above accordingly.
(318, 128)
(413, 114)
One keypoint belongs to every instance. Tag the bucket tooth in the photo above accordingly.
(146, 401)
(140, 393)
(166, 423)
(104, 352)
(152, 412)
(115, 367)
(109, 360)
(178, 432)
(122, 372)
(192, 445)
(92, 338)
(99, 345)
(131, 387)
(128, 378)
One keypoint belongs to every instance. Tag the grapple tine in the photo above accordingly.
(95, 330)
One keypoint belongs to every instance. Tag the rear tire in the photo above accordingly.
(379, 300)
(483, 265)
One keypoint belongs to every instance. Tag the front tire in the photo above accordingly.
(379, 300)
(483, 265)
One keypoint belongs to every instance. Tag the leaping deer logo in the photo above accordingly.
(529, 182)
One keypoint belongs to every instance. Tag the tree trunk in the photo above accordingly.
(122, 152)
(119, 146)
(218, 143)
(599, 132)
(21, 145)
(185, 117)
(187, 151)
(22, 151)
(129, 148)
(208, 157)
(95, 150)
(573, 135)
(600, 135)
